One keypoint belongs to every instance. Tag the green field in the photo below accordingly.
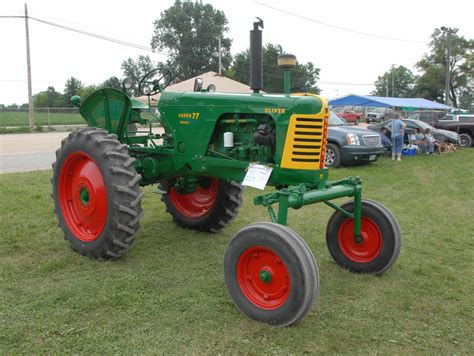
(20, 118)
(167, 295)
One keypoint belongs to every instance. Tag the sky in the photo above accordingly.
(352, 42)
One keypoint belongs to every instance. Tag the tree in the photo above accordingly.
(190, 31)
(72, 87)
(135, 70)
(433, 69)
(303, 76)
(49, 98)
(403, 81)
(112, 82)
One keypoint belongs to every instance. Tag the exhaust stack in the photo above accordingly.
(256, 65)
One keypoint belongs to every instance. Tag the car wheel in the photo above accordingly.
(333, 156)
(465, 140)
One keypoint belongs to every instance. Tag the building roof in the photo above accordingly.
(381, 101)
(223, 85)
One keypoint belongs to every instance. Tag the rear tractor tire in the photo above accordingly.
(96, 193)
(271, 274)
(211, 207)
(381, 239)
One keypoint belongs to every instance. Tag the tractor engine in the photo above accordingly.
(244, 137)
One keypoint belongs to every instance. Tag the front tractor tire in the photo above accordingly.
(96, 193)
(211, 207)
(381, 239)
(271, 274)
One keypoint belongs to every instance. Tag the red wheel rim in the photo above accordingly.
(82, 196)
(263, 277)
(197, 204)
(368, 249)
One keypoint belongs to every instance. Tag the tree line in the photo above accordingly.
(188, 32)
(430, 83)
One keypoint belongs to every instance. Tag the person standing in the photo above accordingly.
(397, 128)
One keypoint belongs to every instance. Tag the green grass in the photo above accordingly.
(167, 294)
(41, 118)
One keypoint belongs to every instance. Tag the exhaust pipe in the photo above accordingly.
(256, 65)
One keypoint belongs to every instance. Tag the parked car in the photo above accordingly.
(429, 116)
(462, 124)
(438, 134)
(352, 114)
(350, 145)
(379, 114)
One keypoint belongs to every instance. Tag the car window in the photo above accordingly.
(335, 120)
(448, 118)
(466, 118)
(415, 116)
(421, 124)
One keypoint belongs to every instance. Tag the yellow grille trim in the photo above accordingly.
(292, 157)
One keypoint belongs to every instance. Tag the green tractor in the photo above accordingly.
(210, 144)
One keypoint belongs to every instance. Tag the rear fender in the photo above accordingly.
(107, 109)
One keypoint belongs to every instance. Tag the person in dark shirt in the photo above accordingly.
(386, 141)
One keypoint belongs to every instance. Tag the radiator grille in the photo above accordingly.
(371, 141)
(305, 140)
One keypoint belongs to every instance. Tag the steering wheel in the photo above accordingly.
(155, 81)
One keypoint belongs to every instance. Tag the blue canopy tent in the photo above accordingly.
(383, 102)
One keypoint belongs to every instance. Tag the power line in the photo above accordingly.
(34, 81)
(130, 44)
(91, 34)
(337, 27)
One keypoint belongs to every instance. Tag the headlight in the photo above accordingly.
(127, 83)
(353, 139)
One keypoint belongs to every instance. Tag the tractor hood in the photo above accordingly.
(273, 104)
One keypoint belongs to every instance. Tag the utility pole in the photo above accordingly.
(31, 114)
(447, 31)
(220, 55)
(386, 87)
(393, 81)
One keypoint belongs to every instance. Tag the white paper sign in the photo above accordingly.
(257, 176)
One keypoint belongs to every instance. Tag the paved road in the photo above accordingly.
(32, 151)
(29, 152)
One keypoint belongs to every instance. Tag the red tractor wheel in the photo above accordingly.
(271, 274)
(96, 193)
(381, 239)
(210, 207)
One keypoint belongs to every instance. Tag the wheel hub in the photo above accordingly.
(263, 277)
(197, 204)
(82, 196)
(330, 157)
(370, 245)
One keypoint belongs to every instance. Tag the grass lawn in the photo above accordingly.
(41, 118)
(167, 294)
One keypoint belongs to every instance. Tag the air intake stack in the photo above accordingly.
(256, 65)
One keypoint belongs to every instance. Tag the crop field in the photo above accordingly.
(20, 118)
(167, 295)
